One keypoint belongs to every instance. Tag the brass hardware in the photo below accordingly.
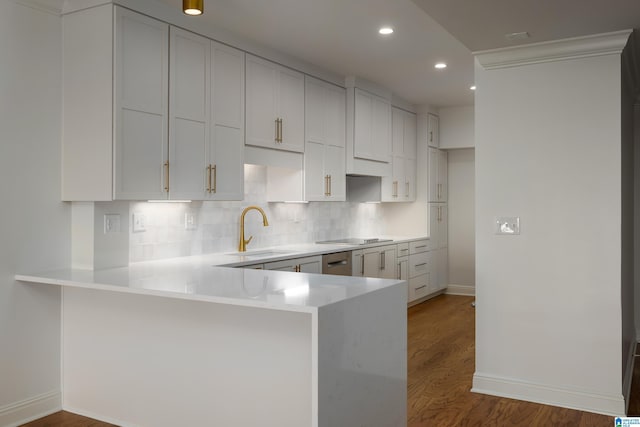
(326, 185)
(406, 192)
(192, 7)
(297, 268)
(281, 130)
(277, 129)
(399, 271)
(208, 178)
(430, 136)
(242, 246)
(166, 176)
(215, 179)
(362, 268)
(420, 287)
(330, 184)
(382, 260)
(394, 191)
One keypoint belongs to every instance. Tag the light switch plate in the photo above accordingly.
(139, 222)
(111, 223)
(507, 225)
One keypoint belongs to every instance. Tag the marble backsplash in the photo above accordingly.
(216, 224)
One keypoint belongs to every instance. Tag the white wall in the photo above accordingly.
(456, 127)
(35, 225)
(461, 210)
(548, 323)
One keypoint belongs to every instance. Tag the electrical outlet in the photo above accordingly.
(507, 225)
(139, 222)
(190, 221)
(111, 223)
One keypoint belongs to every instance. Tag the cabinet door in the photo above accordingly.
(443, 227)
(334, 166)
(291, 109)
(261, 87)
(357, 263)
(388, 262)
(275, 105)
(363, 125)
(434, 225)
(334, 115)
(410, 180)
(403, 269)
(226, 147)
(433, 131)
(188, 114)
(442, 269)
(381, 130)
(310, 265)
(443, 171)
(410, 155)
(141, 106)
(315, 182)
(371, 262)
(434, 185)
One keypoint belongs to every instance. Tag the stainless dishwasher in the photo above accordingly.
(338, 263)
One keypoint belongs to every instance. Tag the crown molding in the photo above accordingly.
(53, 7)
(557, 50)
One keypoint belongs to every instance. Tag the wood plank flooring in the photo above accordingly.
(441, 362)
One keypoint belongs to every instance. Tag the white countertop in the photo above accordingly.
(200, 278)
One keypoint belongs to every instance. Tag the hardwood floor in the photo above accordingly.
(441, 362)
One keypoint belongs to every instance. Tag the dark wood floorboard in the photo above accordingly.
(441, 362)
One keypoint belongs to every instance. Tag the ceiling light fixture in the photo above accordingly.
(441, 65)
(192, 7)
(472, 88)
(385, 31)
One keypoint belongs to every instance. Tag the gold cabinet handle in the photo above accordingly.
(406, 189)
(276, 137)
(326, 185)
(329, 185)
(166, 176)
(281, 130)
(382, 260)
(430, 136)
(278, 130)
(362, 267)
(208, 178)
(215, 178)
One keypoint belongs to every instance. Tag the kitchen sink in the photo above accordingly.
(259, 254)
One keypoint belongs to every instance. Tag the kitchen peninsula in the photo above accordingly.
(182, 342)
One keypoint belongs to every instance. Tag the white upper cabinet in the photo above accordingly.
(368, 143)
(433, 131)
(141, 67)
(274, 106)
(206, 119)
(324, 158)
(400, 185)
(372, 138)
(438, 171)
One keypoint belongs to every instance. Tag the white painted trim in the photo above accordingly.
(18, 413)
(556, 50)
(460, 290)
(628, 376)
(613, 405)
(42, 6)
(98, 417)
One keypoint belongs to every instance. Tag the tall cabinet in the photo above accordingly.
(400, 185)
(165, 119)
(206, 119)
(324, 158)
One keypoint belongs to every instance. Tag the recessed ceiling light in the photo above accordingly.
(441, 65)
(385, 31)
(473, 87)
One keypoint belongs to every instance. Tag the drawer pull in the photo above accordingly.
(421, 246)
(420, 287)
(420, 265)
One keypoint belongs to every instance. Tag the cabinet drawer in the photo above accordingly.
(419, 264)
(418, 287)
(419, 246)
(403, 249)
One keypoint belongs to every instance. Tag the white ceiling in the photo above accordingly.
(483, 24)
(341, 36)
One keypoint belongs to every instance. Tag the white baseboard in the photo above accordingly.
(628, 375)
(18, 413)
(613, 405)
(461, 290)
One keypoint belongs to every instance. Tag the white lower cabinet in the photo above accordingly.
(311, 264)
(379, 261)
(422, 270)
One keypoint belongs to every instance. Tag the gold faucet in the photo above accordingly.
(242, 247)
